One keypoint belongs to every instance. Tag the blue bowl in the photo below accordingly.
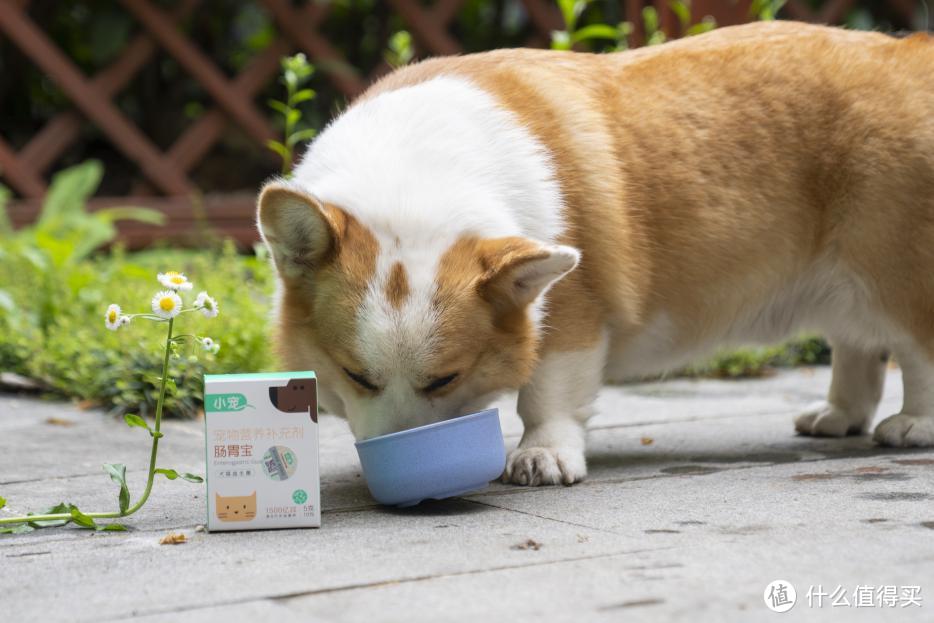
(436, 461)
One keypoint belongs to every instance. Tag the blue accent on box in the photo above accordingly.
(435, 461)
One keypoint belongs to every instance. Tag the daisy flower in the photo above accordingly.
(206, 304)
(112, 317)
(124, 321)
(210, 345)
(166, 304)
(175, 281)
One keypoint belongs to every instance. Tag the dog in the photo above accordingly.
(548, 221)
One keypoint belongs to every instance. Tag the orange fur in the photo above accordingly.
(702, 173)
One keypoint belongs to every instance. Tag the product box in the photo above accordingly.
(261, 451)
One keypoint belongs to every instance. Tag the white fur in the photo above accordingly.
(421, 167)
(855, 392)
(914, 425)
(555, 407)
(429, 162)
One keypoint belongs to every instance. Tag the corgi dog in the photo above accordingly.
(548, 222)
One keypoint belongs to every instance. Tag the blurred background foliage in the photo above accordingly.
(56, 285)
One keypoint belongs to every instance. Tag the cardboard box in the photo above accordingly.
(261, 451)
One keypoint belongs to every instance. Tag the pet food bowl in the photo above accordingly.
(436, 461)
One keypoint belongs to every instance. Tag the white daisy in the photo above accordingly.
(210, 345)
(166, 304)
(206, 304)
(112, 317)
(175, 280)
(124, 321)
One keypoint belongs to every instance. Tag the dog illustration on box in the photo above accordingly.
(297, 396)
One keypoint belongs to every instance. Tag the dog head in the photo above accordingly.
(402, 334)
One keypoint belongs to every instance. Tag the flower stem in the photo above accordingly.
(155, 438)
(152, 459)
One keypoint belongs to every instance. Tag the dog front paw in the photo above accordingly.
(904, 430)
(545, 466)
(826, 420)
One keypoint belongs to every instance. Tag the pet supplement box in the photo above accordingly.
(261, 438)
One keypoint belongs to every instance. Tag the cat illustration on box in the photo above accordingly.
(235, 508)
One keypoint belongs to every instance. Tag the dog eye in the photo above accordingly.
(360, 380)
(439, 383)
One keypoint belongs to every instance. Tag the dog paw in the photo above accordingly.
(904, 430)
(825, 420)
(545, 466)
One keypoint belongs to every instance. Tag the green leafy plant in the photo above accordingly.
(166, 306)
(571, 11)
(682, 8)
(64, 235)
(766, 10)
(400, 49)
(86, 362)
(573, 33)
(296, 72)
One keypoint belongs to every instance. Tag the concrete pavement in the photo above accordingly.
(699, 495)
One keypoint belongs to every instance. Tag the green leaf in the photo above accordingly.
(117, 473)
(560, 40)
(658, 37)
(19, 528)
(301, 135)
(595, 31)
(682, 10)
(62, 507)
(2, 502)
(279, 148)
(568, 12)
(279, 106)
(131, 213)
(111, 527)
(302, 96)
(705, 25)
(81, 519)
(132, 419)
(171, 474)
(650, 19)
(293, 116)
(70, 190)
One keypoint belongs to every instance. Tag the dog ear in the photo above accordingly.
(300, 231)
(519, 270)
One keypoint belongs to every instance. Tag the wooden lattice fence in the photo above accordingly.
(165, 172)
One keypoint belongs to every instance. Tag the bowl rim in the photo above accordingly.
(428, 427)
